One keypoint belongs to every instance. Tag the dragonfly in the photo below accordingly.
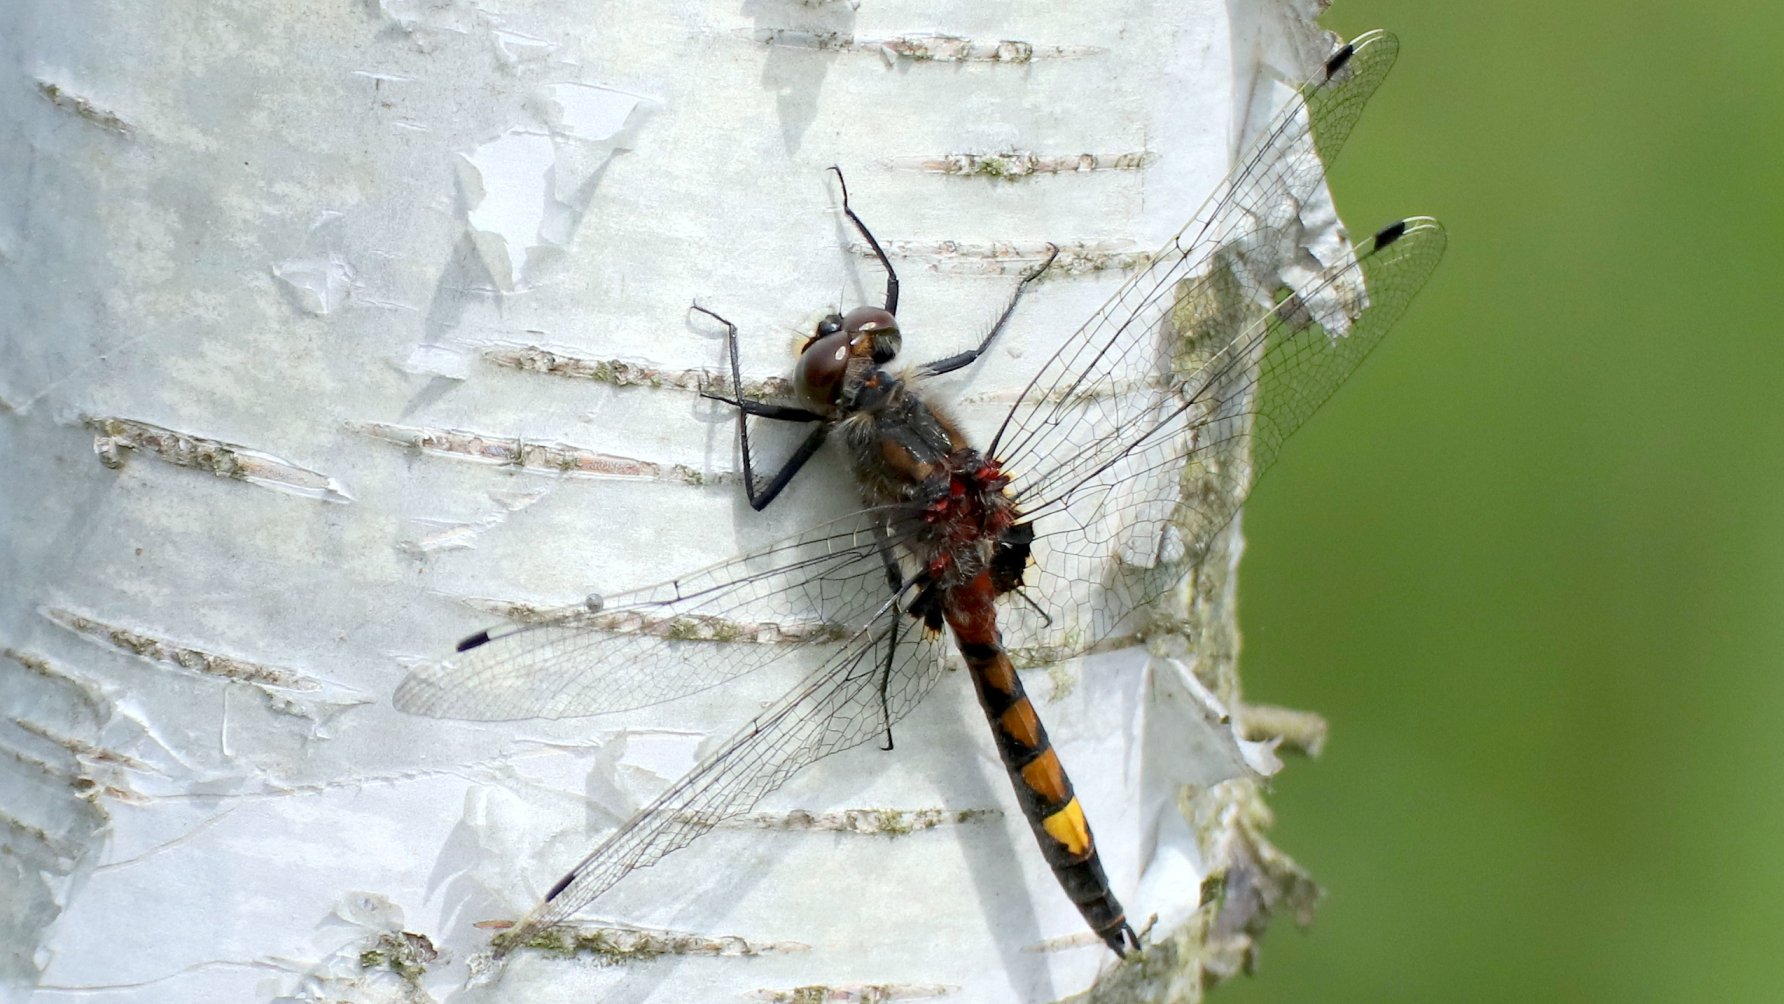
(1131, 447)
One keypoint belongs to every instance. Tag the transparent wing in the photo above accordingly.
(1236, 382)
(1100, 437)
(838, 706)
(665, 641)
(1110, 372)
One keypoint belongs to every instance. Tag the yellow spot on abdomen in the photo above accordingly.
(1069, 828)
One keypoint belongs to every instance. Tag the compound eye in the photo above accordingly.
(878, 324)
(869, 320)
(817, 378)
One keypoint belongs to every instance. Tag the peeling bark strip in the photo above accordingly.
(1014, 164)
(922, 47)
(872, 822)
(684, 627)
(1013, 257)
(621, 373)
(628, 944)
(461, 444)
(83, 108)
(225, 460)
(853, 993)
(160, 650)
(1294, 731)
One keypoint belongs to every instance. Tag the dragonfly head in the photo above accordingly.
(859, 340)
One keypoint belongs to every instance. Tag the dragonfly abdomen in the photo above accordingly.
(1042, 787)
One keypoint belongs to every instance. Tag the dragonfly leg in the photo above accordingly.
(894, 580)
(967, 358)
(886, 681)
(878, 252)
(760, 498)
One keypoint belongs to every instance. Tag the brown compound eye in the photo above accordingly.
(880, 325)
(817, 378)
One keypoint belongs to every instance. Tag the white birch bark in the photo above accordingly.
(376, 315)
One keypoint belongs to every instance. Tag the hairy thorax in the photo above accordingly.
(908, 454)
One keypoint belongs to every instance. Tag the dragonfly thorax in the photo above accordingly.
(909, 455)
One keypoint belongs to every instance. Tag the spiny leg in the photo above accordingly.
(895, 581)
(760, 499)
(967, 358)
(885, 263)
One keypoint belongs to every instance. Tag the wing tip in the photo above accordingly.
(1384, 43)
(1383, 237)
(410, 698)
(1425, 227)
(1335, 62)
(559, 886)
(466, 644)
(1367, 59)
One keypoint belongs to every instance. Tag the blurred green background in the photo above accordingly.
(1529, 562)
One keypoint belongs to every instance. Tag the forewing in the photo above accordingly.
(1112, 537)
(1110, 371)
(838, 706)
(669, 640)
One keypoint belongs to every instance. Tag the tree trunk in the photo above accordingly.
(376, 317)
